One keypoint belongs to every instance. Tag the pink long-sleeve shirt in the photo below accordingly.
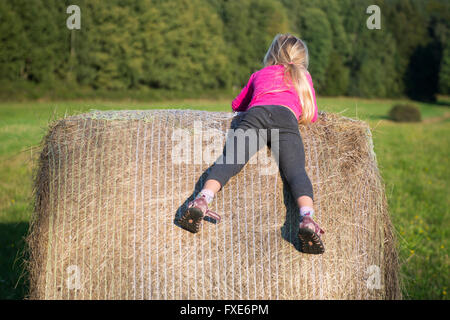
(260, 89)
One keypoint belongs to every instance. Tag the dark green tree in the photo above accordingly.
(444, 73)
(12, 40)
(250, 26)
(337, 76)
(405, 20)
(192, 45)
(373, 64)
(337, 71)
(316, 31)
(42, 45)
(183, 46)
(438, 12)
(112, 49)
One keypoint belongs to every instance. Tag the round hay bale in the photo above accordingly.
(111, 185)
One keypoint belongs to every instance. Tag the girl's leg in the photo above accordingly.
(210, 188)
(220, 173)
(246, 144)
(292, 165)
(304, 201)
(212, 185)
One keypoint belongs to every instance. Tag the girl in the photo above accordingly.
(276, 97)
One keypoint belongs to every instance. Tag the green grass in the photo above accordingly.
(413, 159)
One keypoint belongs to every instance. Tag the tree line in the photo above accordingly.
(186, 45)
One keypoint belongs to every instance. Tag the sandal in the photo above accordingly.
(197, 210)
(310, 239)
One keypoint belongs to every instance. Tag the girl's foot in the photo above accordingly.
(193, 216)
(309, 233)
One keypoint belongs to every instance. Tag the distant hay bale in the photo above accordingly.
(109, 187)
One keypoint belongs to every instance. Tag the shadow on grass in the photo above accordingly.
(443, 103)
(378, 117)
(13, 280)
(440, 101)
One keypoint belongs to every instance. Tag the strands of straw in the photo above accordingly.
(107, 193)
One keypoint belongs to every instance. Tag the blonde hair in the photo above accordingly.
(292, 52)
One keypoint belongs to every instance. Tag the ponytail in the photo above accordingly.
(299, 76)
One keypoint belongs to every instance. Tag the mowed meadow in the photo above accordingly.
(413, 159)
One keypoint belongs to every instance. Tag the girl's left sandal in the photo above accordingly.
(191, 220)
(310, 241)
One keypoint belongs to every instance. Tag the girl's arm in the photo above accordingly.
(240, 103)
(308, 76)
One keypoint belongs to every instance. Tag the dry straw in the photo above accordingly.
(107, 194)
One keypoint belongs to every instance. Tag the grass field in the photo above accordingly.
(413, 159)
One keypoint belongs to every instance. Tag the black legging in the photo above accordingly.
(291, 156)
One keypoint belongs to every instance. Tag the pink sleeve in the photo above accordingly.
(240, 103)
(308, 76)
